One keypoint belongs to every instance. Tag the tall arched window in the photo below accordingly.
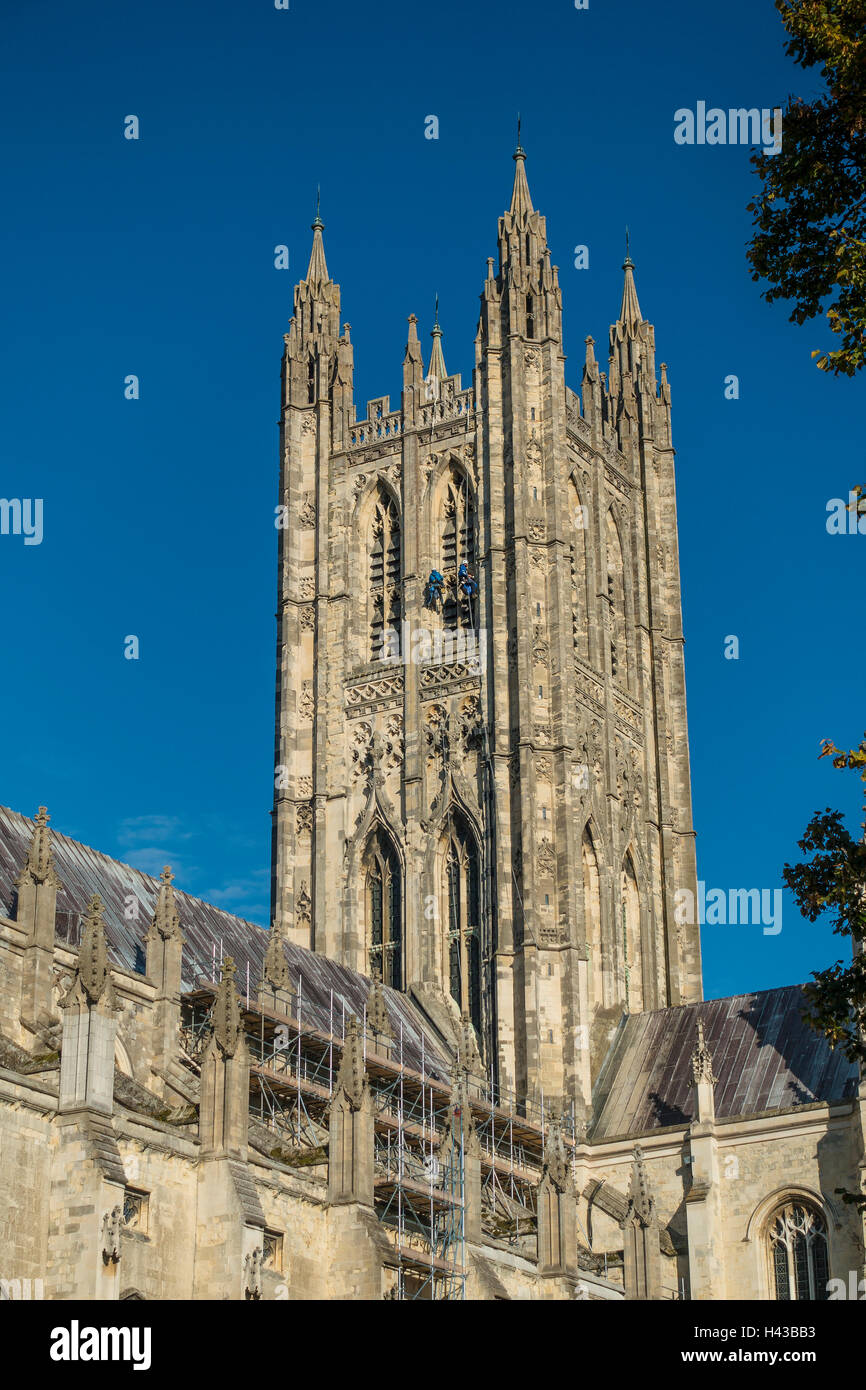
(592, 917)
(384, 910)
(463, 915)
(798, 1253)
(579, 521)
(630, 909)
(385, 576)
(616, 604)
(457, 522)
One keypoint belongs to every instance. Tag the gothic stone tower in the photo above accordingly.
(487, 801)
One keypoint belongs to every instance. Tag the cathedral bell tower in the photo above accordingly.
(482, 784)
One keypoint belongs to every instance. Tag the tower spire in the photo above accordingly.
(521, 202)
(629, 315)
(317, 271)
(437, 357)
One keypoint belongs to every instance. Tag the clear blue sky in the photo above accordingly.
(155, 257)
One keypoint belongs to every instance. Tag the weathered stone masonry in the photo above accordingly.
(471, 1058)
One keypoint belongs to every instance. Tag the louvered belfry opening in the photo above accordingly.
(616, 604)
(458, 547)
(385, 579)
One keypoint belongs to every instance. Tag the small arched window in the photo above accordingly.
(463, 915)
(384, 911)
(798, 1253)
(616, 604)
(457, 523)
(385, 578)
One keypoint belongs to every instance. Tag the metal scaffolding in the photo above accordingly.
(418, 1197)
(419, 1186)
(419, 1138)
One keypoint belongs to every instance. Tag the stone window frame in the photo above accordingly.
(273, 1244)
(793, 1222)
(630, 913)
(758, 1224)
(384, 576)
(382, 864)
(456, 519)
(136, 1209)
(461, 854)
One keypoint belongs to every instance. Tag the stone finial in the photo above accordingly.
(702, 1062)
(165, 919)
(275, 968)
(38, 864)
(377, 1011)
(557, 1166)
(642, 1273)
(413, 346)
(352, 1075)
(640, 1203)
(93, 967)
(227, 1025)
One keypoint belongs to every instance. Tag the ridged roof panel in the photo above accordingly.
(325, 988)
(765, 1057)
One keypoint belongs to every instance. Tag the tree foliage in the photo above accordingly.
(810, 216)
(833, 881)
